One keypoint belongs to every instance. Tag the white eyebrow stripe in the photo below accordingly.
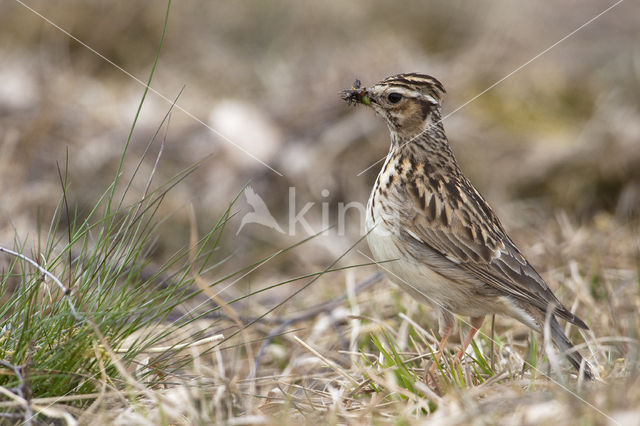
(431, 99)
(388, 88)
(407, 92)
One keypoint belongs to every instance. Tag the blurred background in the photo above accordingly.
(554, 146)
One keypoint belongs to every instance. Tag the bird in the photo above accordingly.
(439, 238)
(260, 214)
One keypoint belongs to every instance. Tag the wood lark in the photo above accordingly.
(448, 247)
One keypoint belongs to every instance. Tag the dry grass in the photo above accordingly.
(327, 368)
(560, 135)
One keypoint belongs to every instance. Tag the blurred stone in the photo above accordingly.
(19, 88)
(245, 132)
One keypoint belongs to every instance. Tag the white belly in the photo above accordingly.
(413, 276)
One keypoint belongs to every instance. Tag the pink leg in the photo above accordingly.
(446, 332)
(476, 323)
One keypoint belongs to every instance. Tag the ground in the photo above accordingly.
(190, 310)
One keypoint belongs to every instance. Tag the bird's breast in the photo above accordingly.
(382, 206)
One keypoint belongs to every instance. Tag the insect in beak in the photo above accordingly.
(356, 95)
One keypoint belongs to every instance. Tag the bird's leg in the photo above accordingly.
(476, 323)
(446, 321)
(445, 333)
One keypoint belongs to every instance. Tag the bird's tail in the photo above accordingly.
(566, 347)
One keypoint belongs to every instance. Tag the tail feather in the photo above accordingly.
(564, 313)
(564, 344)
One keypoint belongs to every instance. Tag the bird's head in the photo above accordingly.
(409, 103)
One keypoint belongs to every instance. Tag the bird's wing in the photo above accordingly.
(456, 222)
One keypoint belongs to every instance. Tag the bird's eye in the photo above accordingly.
(394, 97)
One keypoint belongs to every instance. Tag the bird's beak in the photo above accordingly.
(356, 95)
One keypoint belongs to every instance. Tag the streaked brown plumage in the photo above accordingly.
(451, 250)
